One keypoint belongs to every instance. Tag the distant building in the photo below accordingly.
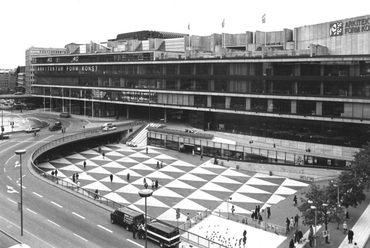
(32, 53)
(7, 80)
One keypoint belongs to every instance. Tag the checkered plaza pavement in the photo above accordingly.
(192, 187)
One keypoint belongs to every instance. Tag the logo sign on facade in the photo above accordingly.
(336, 29)
(349, 27)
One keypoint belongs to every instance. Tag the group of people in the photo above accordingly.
(291, 223)
(256, 215)
(155, 184)
(137, 229)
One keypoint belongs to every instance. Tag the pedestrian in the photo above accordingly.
(287, 221)
(188, 219)
(245, 233)
(153, 184)
(144, 180)
(52, 173)
(111, 177)
(156, 184)
(268, 212)
(345, 227)
(146, 150)
(296, 219)
(84, 164)
(77, 177)
(296, 236)
(134, 230)
(157, 164)
(145, 185)
(244, 240)
(103, 155)
(291, 244)
(96, 196)
(201, 156)
(232, 209)
(161, 164)
(295, 200)
(274, 145)
(193, 152)
(74, 178)
(310, 236)
(128, 177)
(350, 236)
(300, 236)
(56, 173)
(291, 223)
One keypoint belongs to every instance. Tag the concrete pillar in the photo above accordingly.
(321, 88)
(212, 85)
(350, 90)
(165, 115)
(318, 108)
(270, 105)
(247, 104)
(227, 102)
(293, 108)
(127, 111)
(209, 101)
(295, 88)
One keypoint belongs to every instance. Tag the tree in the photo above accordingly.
(318, 201)
(360, 166)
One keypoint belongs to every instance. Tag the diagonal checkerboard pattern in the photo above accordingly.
(192, 188)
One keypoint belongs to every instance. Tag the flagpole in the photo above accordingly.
(222, 37)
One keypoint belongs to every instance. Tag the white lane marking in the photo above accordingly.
(106, 229)
(8, 176)
(11, 190)
(134, 242)
(31, 211)
(56, 204)
(27, 232)
(78, 215)
(37, 194)
(12, 201)
(54, 223)
(80, 237)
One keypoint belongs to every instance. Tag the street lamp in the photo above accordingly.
(337, 186)
(325, 205)
(146, 193)
(314, 207)
(20, 153)
(229, 199)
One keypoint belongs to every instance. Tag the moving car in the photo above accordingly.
(57, 126)
(32, 129)
(65, 115)
(4, 136)
(126, 218)
(109, 125)
(109, 128)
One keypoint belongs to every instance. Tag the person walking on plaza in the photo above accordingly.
(157, 164)
(295, 200)
(287, 221)
(291, 244)
(153, 184)
(134, 230)
(161, 164)
(296, 219)
(84, 164)
(146, 150)
(232, 209)
(77, 177)
(56, 173)
(268, 212)
(188, 219)
(74, 178)
(291, 223)
(128, 177)
(156, 184)
(350, 236)
(345, 227)
(111, 177)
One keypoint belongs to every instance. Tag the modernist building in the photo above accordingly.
(309, 84)
(32, 53)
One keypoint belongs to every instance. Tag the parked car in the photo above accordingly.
(65, 115)
(109, 128)
(57, 126)
(4, 136)
(32, 129)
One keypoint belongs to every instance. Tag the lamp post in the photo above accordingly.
(314, 207)
(20, 152)
(146, 193)
(228, 199)
(325, 205)
(337, 185)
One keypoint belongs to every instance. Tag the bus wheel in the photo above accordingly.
(112, 221)
(142, 236)
(127, 228)
(161, 244)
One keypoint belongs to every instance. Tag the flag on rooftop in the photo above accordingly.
(189, 26)
(223, 23)
(264, 18)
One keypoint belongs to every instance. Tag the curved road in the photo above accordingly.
(52, 217)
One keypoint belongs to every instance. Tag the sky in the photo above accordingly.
(55, 23)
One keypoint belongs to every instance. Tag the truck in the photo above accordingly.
(126, 218)
(57, 126)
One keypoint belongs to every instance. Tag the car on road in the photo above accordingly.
(57, 126)
(108, 125)
(4, 136)
(109, 128)
(65, 115)
(32, 129)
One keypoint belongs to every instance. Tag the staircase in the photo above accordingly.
(141, 138)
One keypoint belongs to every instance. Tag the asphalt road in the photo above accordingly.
(52, 217)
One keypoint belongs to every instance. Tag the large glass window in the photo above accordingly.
(332, 108)
(280, 87)
(258, 86)
(306, 107)
(310, 70)
(200, 101)
(281, 106)
(308, 88)
(237, 103)
(220, 69)
(258, 104)
(221, 85)
(202, 69)
(336, 88)
(218, 102)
